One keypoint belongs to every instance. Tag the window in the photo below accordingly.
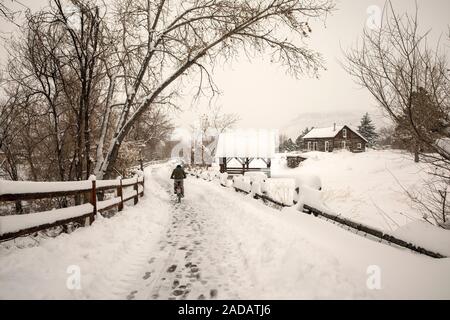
(309, 145)
(359, 146)
(327, 146)
(344, 133)
(343, 145)
(315, 146)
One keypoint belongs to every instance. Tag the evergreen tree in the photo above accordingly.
(367, 129)
(299, 140)
(429, 125)
(289, 145)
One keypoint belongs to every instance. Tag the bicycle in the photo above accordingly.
(178, 191)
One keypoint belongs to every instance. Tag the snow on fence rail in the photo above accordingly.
(255, 183)
(14, 226)
(372, 231)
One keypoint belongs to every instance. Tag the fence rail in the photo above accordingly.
(373, 232)
(13, 226)
(256, 196)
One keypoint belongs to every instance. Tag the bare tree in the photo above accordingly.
(6, 12)
(58, 61)
(83, 28)
(149, 134)
(221, 121)
(210, 125)
(410, 82)
(163, 43)
(403, 74)
(104, 74)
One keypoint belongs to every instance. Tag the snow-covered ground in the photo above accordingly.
(370, 188)
(216, 244)
(106, 254)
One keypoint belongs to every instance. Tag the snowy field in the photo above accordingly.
(370, 188)
(216, 244)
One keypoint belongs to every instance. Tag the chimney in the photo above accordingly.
(334, 129)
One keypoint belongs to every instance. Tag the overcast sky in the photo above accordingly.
(265, 97)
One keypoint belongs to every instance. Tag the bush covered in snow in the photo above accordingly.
(281, 190)
(243, 183)
(224, 180)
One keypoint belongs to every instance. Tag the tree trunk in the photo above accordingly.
(416, 153)
(18, 206)
(87, 143)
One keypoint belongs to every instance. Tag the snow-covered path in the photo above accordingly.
(205, 254)
(216, 244)
(226, 245)
(198, 258)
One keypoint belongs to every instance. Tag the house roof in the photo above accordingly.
(247, 144)
(330, 132)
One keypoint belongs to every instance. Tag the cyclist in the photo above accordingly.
(178, 175)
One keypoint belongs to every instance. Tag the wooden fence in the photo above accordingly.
(358, 227)
(84, 213)
(256, 196)
(373, 232)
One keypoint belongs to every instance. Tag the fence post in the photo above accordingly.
(136, 187)
(93, 201)
(120, 194)
(143, 184)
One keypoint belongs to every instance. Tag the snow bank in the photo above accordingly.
(16, 223)
(425, 235)
(312, 198)
(365, 187)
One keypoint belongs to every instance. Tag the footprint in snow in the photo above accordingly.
(147, 275)
(177, 292)
(213, 293)
(172, 268)
(131, 295)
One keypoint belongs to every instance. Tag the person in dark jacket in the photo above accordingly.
(178, 175)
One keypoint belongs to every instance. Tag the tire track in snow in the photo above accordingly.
(197, 258)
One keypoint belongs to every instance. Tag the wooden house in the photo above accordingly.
(334, 138)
